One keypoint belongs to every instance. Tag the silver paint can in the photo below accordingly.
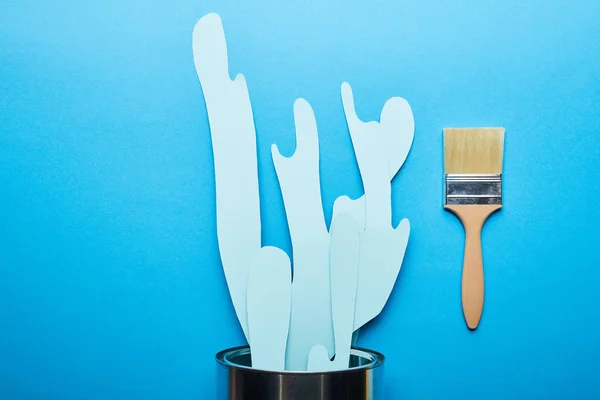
(236, 380)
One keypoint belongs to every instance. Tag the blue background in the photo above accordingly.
(110, 283)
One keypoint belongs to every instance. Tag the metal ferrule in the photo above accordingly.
(466, 189)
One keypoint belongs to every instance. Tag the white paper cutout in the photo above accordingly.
(269, 303)
(234, 149)
(354, 207)
(382, 247)
(398, 129)
(318, 359)
(397, 126)
(380, 149)
(344, 261)
(300, 186)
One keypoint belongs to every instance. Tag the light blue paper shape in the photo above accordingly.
(344, 259)
(269, 303)
(318, 359)
(382, 247)
(398, 129)
(380, 148)
(234, 149)
(300, 186)
(344, 263)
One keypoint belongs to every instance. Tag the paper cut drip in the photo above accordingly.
(269, 298)
(342, 277)
(382, 247)
(234, 149)
(300, 186)
(344, 263)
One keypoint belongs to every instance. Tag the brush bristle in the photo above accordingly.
(473, 150)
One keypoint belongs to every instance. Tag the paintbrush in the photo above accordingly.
(473, 190)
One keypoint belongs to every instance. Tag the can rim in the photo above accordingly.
(375, 358)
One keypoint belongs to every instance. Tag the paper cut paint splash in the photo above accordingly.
(342, 277)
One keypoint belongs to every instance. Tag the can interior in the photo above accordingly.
(359, 358)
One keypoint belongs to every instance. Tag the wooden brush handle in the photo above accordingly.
(472, 218)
